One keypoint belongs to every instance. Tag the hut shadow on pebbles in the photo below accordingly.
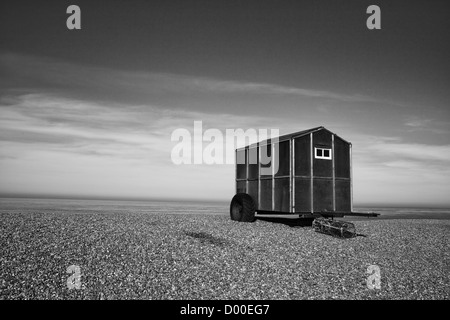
(291, 222)
(207, 238)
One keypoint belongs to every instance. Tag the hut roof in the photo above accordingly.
(294, 135)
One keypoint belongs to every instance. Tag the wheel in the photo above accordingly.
(242, 208)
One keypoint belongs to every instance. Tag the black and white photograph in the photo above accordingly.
(224, 154)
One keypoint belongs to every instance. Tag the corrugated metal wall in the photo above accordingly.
(331, 190)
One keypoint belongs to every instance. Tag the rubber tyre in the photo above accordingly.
(242, 208)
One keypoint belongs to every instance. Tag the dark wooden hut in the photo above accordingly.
(313, 176)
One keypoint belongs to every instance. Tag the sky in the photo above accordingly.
(89, 113)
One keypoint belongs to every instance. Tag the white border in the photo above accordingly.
(322, 157)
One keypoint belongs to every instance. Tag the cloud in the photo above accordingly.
(416, 152)
(413, 159)
(213, 85)
(377, 148)
(92, 128)
(62, 146)
(71, 129)
(418, 124)
(59, 76)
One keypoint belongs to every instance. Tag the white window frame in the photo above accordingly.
(322, 156)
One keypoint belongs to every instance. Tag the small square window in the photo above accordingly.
(322, 153)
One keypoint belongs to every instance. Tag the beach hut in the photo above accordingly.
(311, 177)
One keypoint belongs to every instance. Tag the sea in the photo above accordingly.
(30, 205)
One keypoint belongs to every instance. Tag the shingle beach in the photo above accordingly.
(177, 256)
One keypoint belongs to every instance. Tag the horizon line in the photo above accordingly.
(142, 199)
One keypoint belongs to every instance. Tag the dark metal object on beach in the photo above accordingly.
(341, 229)
(307, 174)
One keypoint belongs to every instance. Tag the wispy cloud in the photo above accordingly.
(74, 129)
(59, 75)
(205, 84)
(85, 127)
(60, 145)
(420, 124)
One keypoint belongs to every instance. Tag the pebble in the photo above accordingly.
(195, 256)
